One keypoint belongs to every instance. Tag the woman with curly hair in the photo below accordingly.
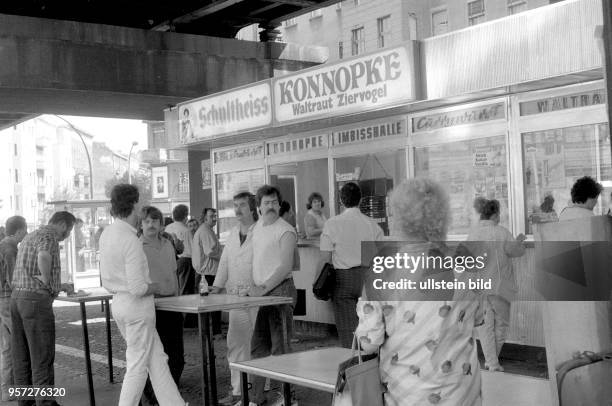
(315, 219)
(427, 350)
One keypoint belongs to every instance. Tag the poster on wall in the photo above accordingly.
(206, 174)
(159, 177)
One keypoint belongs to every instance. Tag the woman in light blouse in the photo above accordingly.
(315, 219)
(428, 352)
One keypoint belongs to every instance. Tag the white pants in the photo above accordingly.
(6, 360)
(145, 356)
(239, 334)
(494, 331)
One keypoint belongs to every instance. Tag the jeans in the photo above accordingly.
(144, 355)
(169, 326)
(33, 341)
(494, 331)
(268, 332)
(347, 290)
(6, 356)
(239, 334)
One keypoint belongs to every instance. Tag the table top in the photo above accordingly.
(94, 295)
(316, 369)
(216, 302)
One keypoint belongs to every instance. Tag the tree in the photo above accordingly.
(140, 179)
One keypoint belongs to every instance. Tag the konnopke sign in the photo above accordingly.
(368, 82)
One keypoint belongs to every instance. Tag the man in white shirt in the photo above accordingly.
(274, 242)
(585, 193)
(125, 273)
(185, 271)
(235, 276)
(341, 246)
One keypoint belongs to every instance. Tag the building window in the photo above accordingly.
(384, 31)
(316, 13)
(357, 41)
(16, 175)
(340, 50)
(554, 159)
(439, 22)
(476, 12)
(516, 6)
(291, 22)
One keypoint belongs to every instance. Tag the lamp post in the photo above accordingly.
(91, 186)
(130, 162)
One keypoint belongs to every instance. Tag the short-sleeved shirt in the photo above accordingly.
(181, 232)
(8, 257)
(205, 251)
(266, 248)
(343, 234)
(26, 266)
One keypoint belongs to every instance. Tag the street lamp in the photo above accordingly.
(91, 184)
(130, 161)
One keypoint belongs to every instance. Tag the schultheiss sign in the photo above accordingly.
(365, 83)
(241, 109)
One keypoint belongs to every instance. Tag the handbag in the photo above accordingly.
(358, 382)
(325, 283)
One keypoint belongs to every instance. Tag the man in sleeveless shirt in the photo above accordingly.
(274, 242)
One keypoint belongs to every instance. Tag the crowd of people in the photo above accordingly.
(144, 256)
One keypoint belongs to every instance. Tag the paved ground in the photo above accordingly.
(70, 363)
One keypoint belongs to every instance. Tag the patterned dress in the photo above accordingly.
(428, 353)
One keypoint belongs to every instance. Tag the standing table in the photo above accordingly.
(203, 306)
(81, 300)
(315, 369)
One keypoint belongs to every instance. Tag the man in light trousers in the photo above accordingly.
(235, 275)
(125, 273)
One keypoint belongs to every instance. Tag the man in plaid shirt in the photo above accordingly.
(36, 283)
(16, 229)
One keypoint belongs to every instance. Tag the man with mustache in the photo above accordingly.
(235, 275)
(36, 283)
(274, 242)
(162, 269)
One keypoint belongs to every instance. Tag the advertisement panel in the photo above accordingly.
(241, 109)
(368, 82)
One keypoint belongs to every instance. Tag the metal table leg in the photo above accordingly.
(203, 330)
(211, 361)
(92, 398)
(244, 382)
(287, 393)
(109, 344)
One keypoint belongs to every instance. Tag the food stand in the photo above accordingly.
(379, 118)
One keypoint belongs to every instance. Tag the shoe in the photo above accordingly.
(278, 400)
(230, 400)
(497, 368)
(250, 403)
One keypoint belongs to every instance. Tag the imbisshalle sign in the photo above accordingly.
(368, 82)
(240, 109)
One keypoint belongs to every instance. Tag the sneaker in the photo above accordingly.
(230, 400)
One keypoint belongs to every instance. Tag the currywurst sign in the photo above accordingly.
(241, 109)
(365, 83)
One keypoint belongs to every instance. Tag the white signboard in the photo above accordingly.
(237, 110)
(159, 179)
(296, 144)
(363, 83)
